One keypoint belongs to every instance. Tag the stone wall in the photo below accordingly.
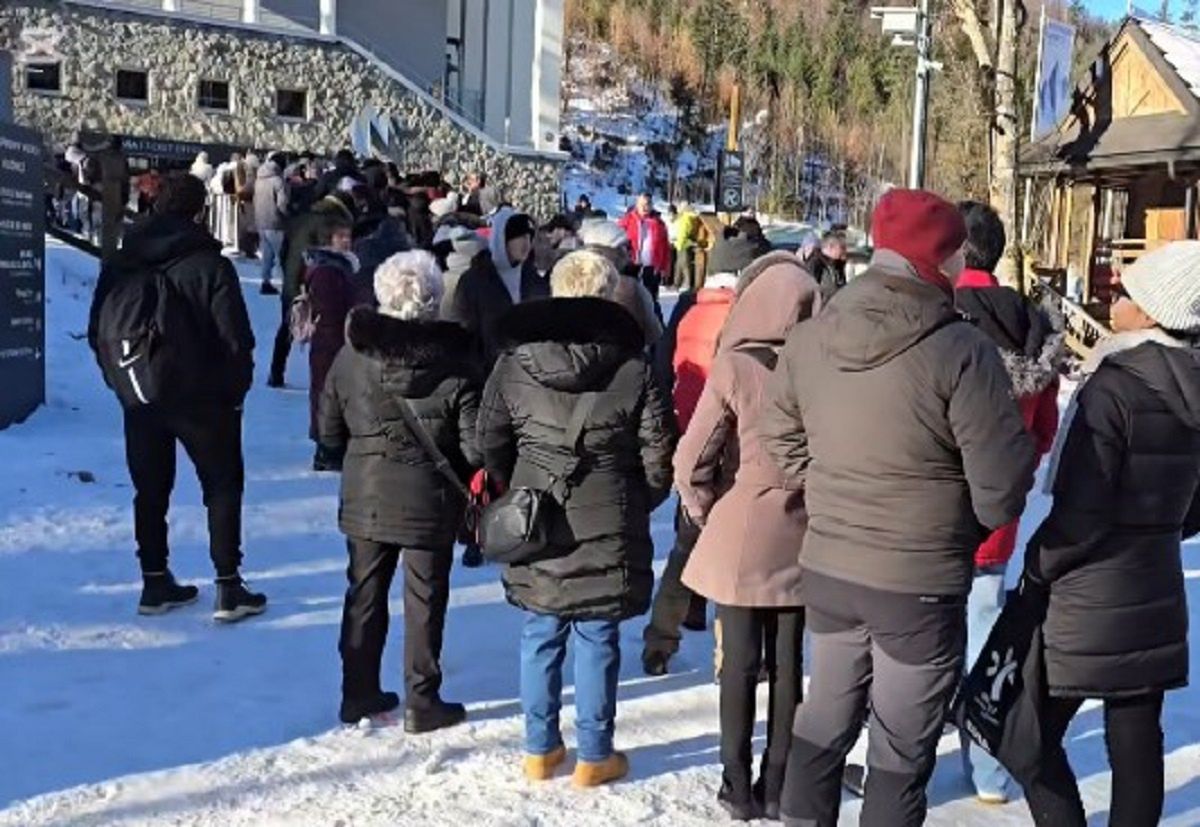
(340, 82)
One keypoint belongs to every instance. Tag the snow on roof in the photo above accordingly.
(1180, 48)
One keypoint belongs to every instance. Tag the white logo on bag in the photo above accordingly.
(1001, 672)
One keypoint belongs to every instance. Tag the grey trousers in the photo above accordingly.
(897, 656)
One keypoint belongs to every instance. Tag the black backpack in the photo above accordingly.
(147, 341)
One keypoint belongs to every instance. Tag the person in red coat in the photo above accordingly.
(333, 290)
(1033, 353)
(649, 242)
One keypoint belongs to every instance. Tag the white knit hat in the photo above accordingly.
(1165, 283)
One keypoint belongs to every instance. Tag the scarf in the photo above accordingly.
(1110, 346)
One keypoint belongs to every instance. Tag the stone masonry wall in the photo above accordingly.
(95, 43)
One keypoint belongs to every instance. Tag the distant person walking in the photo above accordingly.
(208, 363)
(270, 216)
(649, 243)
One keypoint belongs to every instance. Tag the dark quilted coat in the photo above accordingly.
(1125, 496)
(552, 351)
(391, 491)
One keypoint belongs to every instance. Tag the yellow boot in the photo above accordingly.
(542, 767)
(593, 774)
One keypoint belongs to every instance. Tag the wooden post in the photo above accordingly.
(1066, 217)
(1093, 236)
(1189, 203)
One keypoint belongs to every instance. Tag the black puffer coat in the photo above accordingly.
(1125, 495)
(553, 351)
(391, 491)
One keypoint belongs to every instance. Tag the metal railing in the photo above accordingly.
(1082, 329)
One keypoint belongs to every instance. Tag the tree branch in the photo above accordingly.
(976, 32)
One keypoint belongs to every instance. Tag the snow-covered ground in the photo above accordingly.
(108, 718)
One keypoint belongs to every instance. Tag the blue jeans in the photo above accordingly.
(270, 245)
(983, 608)
(597, 663)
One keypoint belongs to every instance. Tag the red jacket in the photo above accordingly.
(1039, 410)
(696, 347)
(660, 242)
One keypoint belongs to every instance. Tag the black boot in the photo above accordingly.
(472, 556)
(655, 663)
(769, 789)
(854, 779)
(275, 380)
(697, 616)
(161, 594)
(268, 289)
(737, 800)
(235, 602)
(433, 716)
(354, 711)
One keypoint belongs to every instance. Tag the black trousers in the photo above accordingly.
(745, 634)
(213, 441)
(283, 343)
(365, 619)
(1133, 735)
(674, 601)
(653, 282)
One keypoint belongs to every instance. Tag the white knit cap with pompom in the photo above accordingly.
(409, 286)
(1165, 283)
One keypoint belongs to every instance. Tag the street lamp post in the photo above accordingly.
(912, 26)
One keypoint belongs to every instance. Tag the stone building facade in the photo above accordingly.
(339, 82)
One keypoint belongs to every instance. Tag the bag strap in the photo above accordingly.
(389, 406)
(580, 412)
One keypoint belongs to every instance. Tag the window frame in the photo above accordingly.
(133, 101)
(228, 110)
(58, 64)
(306, 117)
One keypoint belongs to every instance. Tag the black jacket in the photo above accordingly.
(391, 490)
(481, 299)
(1125, 495)
(830, 274)
(304, 233)
(192, 260)
(555, 351)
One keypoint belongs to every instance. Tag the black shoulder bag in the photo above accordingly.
(515, 528)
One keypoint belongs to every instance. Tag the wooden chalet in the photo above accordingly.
(1119, 174)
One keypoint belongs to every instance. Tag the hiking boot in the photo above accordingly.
(741, 806)
(438, 715)
(268, 289)
(235, 602)
(161, 594)
(354, 711)
(654, 664)
(596, 773)
(543, 767)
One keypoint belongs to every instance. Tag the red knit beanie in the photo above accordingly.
(922, 227)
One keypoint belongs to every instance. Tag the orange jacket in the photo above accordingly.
(696, 347)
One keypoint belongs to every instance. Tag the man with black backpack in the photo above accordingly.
(170, 330)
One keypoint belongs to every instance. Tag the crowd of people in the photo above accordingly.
(852, 458)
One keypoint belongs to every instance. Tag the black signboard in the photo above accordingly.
(731, 179)
(22, 275)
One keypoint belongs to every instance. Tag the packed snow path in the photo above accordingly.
(108, 718)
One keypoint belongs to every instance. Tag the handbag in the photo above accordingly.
(516, 527)
(999, 702)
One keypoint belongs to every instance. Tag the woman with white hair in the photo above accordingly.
(571, 370)
(403, 382)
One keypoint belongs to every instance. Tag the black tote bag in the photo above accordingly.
(999, 702)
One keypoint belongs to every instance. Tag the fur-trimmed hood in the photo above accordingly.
(1033, 350)
(414, 356)
(572, 344)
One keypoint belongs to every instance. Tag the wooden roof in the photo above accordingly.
(1138, 107)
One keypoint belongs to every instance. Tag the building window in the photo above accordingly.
(214, 95)
(133, 85)
(291, 104)
(43, 77)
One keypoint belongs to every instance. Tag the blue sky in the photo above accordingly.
(1116, 8)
